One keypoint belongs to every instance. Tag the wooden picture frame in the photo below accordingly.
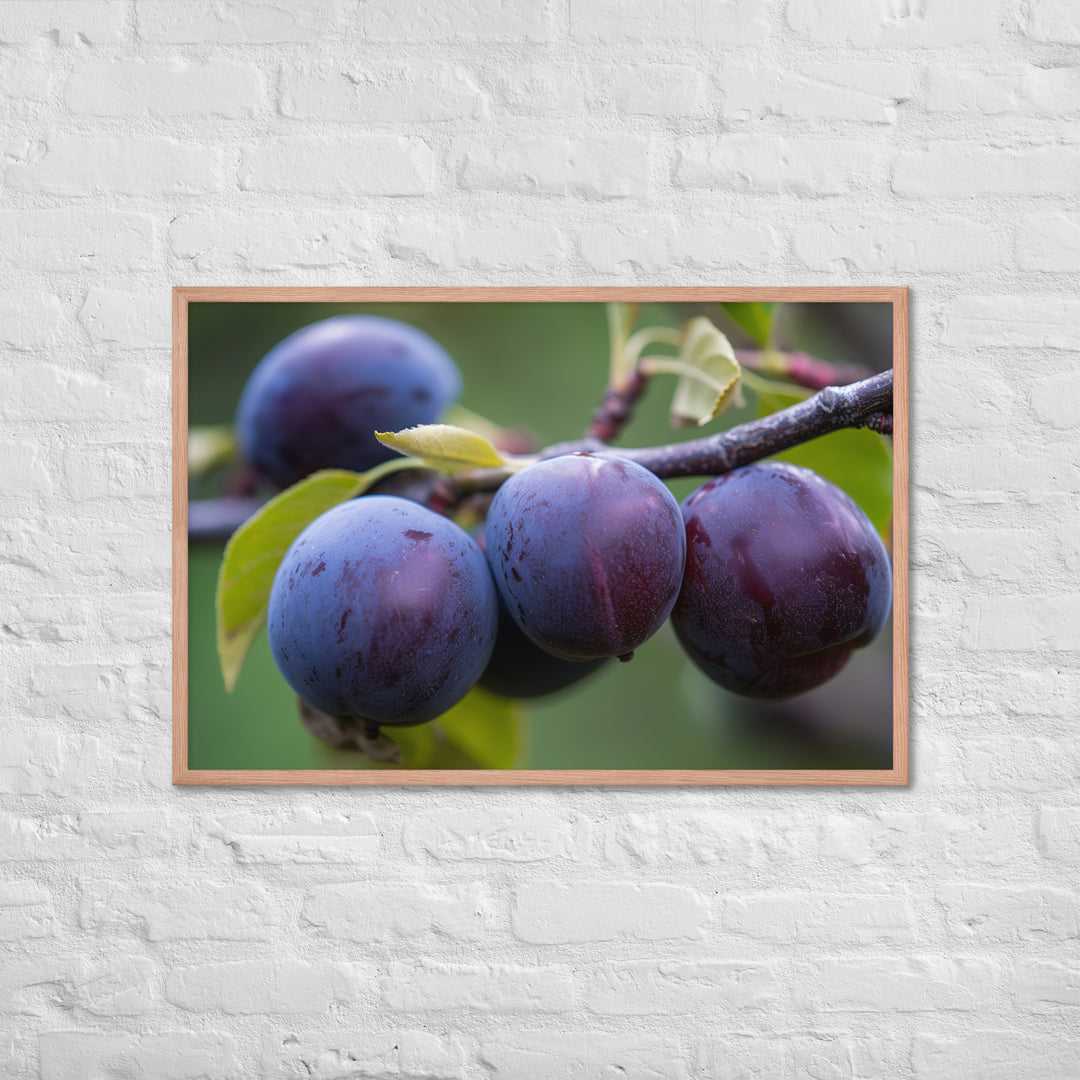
(183, 775)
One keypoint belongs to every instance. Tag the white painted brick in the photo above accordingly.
(357, 165)
(1001, 913)
(546, 913)
(657, 90)
(303, 837)
(995, 1055)
(101, 164)
(1055, 21)
(678, 987)
(590, 1055)
(968, 169)
(820, 918)
(1026, 764)
(72, 241)
(163, 88)
(417, 94)
(612, 22)
(117, 834)
(385, 912)
(1059, 831)
(491, 242)
(1013, 89)
(869, 92)
(514, 836)
(1050, 621)
(706, 241)
(933, 24)
(907, 838)
(457, 20)
(1045, 986)
(140, 320)
(277, 987)
(116, 986)
(541, 89)
(705, 837)
(776, 164)
(321, 1056)
(627, 245)
(26, 911)
(601, 167)
(219, 241)
(237, 911)
(1048, 242)
(28, 320)
(39, 762)
(25, 78)
(131, 469)
(794, 1054)
(882, 984)
(67, 21)
(85, 1055)
(877, 243)
(234, 22)
(435, 987)
(1039, 322)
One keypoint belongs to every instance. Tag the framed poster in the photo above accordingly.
(540, 536)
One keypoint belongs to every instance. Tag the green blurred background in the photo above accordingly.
(543, 367)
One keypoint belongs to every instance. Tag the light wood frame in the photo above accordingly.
(897, 775)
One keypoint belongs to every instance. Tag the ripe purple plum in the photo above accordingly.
(785, 578)
(588, 552)
(316, 399)
(384, 611)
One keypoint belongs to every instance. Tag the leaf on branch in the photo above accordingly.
(486, 727)
(754, 319)
(708, 377)
(444, 447)
(256, 549)
(621, 320)
(209, 447)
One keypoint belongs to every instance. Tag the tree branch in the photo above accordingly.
(862, 404)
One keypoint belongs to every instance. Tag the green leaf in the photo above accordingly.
(855, 459)
(209, 447)
(444, 447)
(486, 727)
(706, 349)
(417, 744)
(256, 549)
(755, 319)
(621, 319)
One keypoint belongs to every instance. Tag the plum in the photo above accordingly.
(785, 578)
(316, 399)
(588, 552)
(384, 611)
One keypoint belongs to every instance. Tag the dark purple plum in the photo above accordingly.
(316, 399)
(384, 611)
(587, 551)
(785, 578)
(520, 669)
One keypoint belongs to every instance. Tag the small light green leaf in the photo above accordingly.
(209, 447)
(621, 319)
(710, 377)
(485, 727)
(256, 549)
(755, 319)
(444, 447)
(417, 744)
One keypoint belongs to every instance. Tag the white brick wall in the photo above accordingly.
(151, 933)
